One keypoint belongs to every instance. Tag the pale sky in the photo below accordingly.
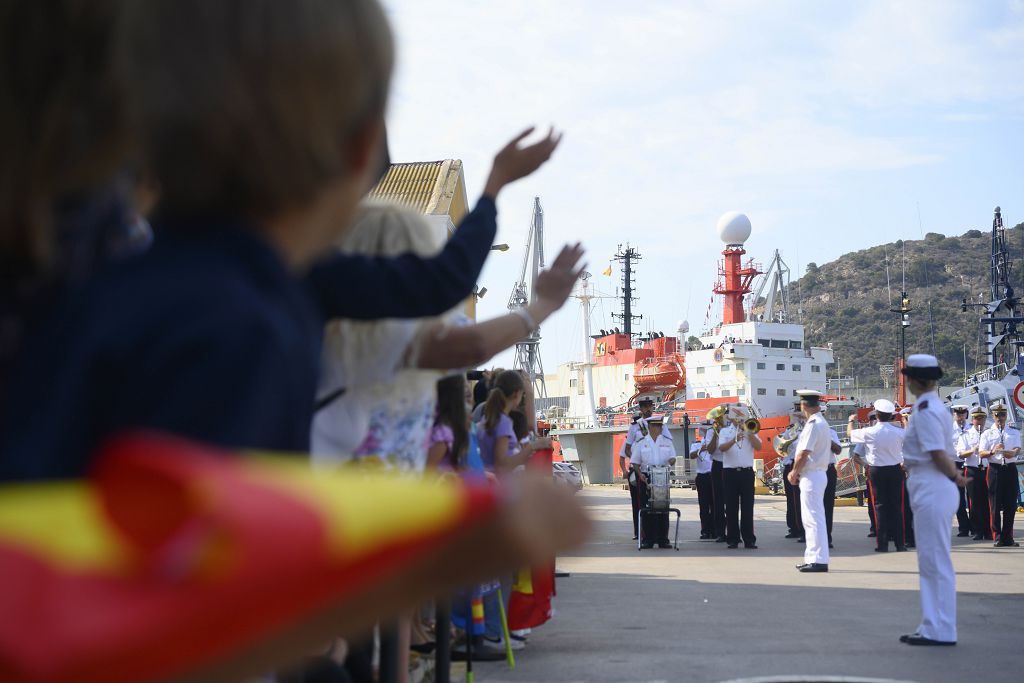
(828, 123)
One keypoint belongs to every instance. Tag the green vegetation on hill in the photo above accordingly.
(846, 302)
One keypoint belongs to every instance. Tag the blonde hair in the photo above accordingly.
(251, 106)
(381, 229)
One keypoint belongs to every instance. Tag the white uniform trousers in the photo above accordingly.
(934, 499)
(812, 508)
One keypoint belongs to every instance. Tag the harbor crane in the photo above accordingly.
(528, 350)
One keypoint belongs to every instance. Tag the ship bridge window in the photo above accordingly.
(815, 368)
(700, 371)
(761, 391)
(780, 392)
(702, 394)
(764, 342)
(726, 392)
(796, 345)
(572, 382)
(726, 368)
(742, 391)
(797, 368)
(780, 366)
(761, 366)
(780, 344)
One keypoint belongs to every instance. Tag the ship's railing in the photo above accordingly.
(988, 374)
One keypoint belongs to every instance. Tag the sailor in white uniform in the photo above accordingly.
(738, 448)
(932, 479)
(705, 495)
(976, 469)
(813, 454)
(653, 450)
(961, 427)
(883, 453)
(795, 526)
(1000, 445)
(637, 431)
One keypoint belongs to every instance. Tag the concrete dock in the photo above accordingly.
(709, 614)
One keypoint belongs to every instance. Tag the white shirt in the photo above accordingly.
(632, 436)
(835, 439)
(816, 439)
(1008, 436)
(648, 452)
(883, 443)
(742, 452)
(968, 440)
(958, 432)
(928, 431)
(703, 457)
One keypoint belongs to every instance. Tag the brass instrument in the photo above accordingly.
(784, 440)
(752, 425)
(717, 417)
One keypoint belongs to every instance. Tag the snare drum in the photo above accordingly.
(659, 477)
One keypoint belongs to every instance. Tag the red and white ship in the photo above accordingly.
(756, 356)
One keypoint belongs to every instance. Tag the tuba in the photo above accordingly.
(717, 416)
(784, 440)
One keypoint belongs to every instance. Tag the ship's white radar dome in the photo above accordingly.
(734, 227)
(682, 327)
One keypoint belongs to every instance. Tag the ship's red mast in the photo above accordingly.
(734, 281)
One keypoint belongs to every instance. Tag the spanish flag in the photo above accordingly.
(530, 604)
(172, 557)
(607, 271)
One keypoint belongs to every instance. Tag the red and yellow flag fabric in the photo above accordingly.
(530, 605)
(174, 555)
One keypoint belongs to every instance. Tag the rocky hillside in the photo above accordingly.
(846, 302)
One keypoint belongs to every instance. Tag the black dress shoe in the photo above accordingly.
(634, 538)
(813, 568)
(872, 534)
(1010, 544)
(733, 546)
(646, 546)
(720, 539)
(901, 548)
(830, 545)
(977, 537)
(918, 639)
(792, 534)
(963, 534)
(664, 544)
(750, 546)
(881, 550)
(911, 545)
(802, 539)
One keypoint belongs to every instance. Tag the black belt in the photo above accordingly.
(881, 467)
(738, 468)
(1003, 464)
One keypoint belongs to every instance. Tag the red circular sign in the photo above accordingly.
(1018, 394)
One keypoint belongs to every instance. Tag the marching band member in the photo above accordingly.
(831, 479)
(793, 521)
(812, 457)
(976, 469)
(637, 431)
(717, 479)
(883, 448)
(1000, 444)
(738, 447)
(960, 427)
(653, 450)
(705, 495)
(858, 452)
(933, 478)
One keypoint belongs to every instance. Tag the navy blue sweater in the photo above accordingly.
(207, 335)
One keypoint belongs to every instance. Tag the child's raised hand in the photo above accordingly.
(513, 162)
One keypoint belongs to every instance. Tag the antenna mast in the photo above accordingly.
(627, 258)
(528, 350)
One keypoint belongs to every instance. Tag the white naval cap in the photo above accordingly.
(959, 408)
(978, 410)
(922, 366)
(998, 408)
(809, 396)
(906, 411)
(884, 405)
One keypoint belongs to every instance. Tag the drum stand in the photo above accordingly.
(650, 511)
